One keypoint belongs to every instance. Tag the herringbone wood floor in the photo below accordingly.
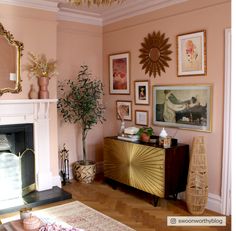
(131, 207)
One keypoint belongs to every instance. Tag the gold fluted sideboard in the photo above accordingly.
(158, 171)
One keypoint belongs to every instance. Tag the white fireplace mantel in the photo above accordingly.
(35, 111)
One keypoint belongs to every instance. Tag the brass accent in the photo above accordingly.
(28, 189)
(139, 166)
(19, 47)
(155, 53)
(32, 187)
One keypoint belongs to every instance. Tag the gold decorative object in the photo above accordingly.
(94, 2)
(155, 53)
(197, 186)
(139, 166)
(19, 48)
(40, 66)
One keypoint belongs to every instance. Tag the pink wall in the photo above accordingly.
(194, 15)
(73, 44)
(37, 29)
(79, 44)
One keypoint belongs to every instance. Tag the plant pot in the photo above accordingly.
(145, 137)
(84, 172)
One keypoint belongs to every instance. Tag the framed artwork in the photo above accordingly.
(141, 117)
(124, 108)
(119, 73)
(183, 106)
(141, 92)
(191, 54)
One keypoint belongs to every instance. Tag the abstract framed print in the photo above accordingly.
(119, 73)
(191, 54)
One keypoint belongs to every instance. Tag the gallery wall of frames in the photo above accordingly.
(187, 106)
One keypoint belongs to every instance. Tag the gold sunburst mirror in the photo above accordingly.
(155, 53)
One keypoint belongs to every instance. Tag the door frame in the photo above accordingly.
(227, 137)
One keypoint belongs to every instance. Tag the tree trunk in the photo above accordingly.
(84, 145)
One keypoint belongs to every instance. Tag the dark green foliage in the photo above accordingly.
(147, 130)
(81, 102)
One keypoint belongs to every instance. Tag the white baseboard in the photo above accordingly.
(56, 181)
(213, 203)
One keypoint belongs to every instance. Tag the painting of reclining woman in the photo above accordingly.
(183, 106)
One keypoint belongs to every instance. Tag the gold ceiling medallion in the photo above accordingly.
(94, 2)
(155, 53)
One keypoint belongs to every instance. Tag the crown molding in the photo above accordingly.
(72, 15)
(35, 4)
(114, 14)
(136, 8)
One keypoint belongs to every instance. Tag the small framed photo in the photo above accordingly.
(191, 54)
(124, 109)
(141, 92)
(183, 106)
(119, 73)
(141, 117)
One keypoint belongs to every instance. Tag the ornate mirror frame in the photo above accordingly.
(20, 47)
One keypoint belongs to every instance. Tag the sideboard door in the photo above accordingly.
(137, 165)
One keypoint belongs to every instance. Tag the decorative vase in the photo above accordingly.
(43, 87)
(84, 171)
(197, 185)
(33, 93)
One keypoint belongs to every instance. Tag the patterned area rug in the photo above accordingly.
(71, 216)
(79, 215)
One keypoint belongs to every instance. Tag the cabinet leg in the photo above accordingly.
(155, 200)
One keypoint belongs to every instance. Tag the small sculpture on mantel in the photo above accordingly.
(64, 172)
(33, 94)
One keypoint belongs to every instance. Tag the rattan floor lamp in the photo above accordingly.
(197, 185)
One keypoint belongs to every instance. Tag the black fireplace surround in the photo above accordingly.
(16, 138)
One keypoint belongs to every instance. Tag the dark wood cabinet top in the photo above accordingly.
(144, 143)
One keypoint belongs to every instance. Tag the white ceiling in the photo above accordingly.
(95, 15)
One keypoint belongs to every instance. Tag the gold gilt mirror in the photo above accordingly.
(11, 51)
(155, 53)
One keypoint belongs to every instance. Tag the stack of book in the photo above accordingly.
(129, 134)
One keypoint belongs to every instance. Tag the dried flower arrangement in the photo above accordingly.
(40, 66)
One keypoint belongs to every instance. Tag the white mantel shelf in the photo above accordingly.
(27, 101)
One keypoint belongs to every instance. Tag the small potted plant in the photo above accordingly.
(42, 68)
(81, 103)
(145, 133)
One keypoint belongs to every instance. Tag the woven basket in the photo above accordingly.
(197, 186)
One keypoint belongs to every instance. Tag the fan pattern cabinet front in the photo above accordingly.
(158, 171)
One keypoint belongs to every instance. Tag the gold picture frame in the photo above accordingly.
(141, 92)
(126, 107)
(191, 54)
(141, 117)
(183, 106)
(119, 73)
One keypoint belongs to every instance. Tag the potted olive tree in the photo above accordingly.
(80, 102)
